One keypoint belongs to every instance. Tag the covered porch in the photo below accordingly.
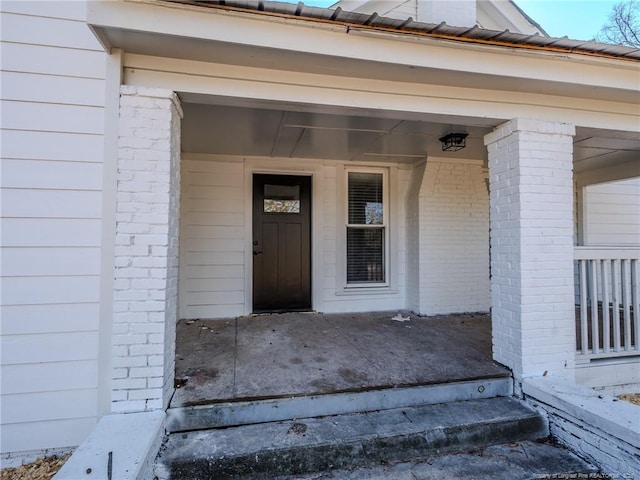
(491, 226)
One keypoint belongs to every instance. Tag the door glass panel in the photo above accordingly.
(282, 199)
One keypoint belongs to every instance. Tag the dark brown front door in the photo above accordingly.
(281, 243)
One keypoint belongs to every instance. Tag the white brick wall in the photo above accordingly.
(146, 263)
(448, 218)
(531, 183)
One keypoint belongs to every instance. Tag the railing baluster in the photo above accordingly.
(584, 331)
(635, 289)
(615, 279)
(608, 278)
(606, 323)
(595, 317)
(626, 301)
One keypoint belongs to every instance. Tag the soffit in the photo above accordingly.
(272, 131)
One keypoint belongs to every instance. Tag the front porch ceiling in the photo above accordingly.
(222, 129)
(296, 132)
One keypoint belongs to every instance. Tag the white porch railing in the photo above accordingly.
(607, 302)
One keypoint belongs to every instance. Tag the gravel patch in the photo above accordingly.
(41, 469)
(631, 398)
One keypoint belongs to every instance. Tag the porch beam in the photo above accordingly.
(204, 82)
(531, 197)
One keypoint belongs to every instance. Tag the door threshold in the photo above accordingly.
(304, 311)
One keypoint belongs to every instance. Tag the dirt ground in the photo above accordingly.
(42, 469)
(631, 398)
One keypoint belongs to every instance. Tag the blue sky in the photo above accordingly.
(577, 19)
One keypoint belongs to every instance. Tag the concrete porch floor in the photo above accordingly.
(296, 354)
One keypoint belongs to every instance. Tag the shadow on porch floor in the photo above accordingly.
(294, 354)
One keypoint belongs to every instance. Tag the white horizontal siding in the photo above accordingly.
(49, 318)
(612, 213)
(39, 203)
(50, 60)
(60, 405)
(45, 8)
(49, 347)
(335, 297)
(50, 232)
(57, 31)
(63, 146)
(39, 174)
(37, 290)
(53, 95)
(51, 117)
(39, 435)
(50, 261)
(29, 87)
(47, 377)
(329, 265)
(212, 242)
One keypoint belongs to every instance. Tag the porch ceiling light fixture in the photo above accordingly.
(453, 142)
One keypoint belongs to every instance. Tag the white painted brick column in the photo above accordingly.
(531, 198)
(146, 263)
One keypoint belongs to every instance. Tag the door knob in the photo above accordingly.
(256, 253)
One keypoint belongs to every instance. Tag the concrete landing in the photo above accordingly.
(289, 355)
(346, 441)
(515, 461)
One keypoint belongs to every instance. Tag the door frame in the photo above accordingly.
(302, 167)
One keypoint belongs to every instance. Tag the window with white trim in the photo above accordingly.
(366, 235)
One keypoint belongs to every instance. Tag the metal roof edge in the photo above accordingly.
(476, 35)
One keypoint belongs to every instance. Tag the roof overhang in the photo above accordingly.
(322, 45)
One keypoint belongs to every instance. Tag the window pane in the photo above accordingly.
(365, 255)
(282, 198)
(365, 199)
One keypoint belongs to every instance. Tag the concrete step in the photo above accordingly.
(514, 461)
(303, 446)
(215, 415)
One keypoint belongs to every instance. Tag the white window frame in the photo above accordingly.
(386, 209)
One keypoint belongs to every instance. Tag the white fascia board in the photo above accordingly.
(332, 40)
